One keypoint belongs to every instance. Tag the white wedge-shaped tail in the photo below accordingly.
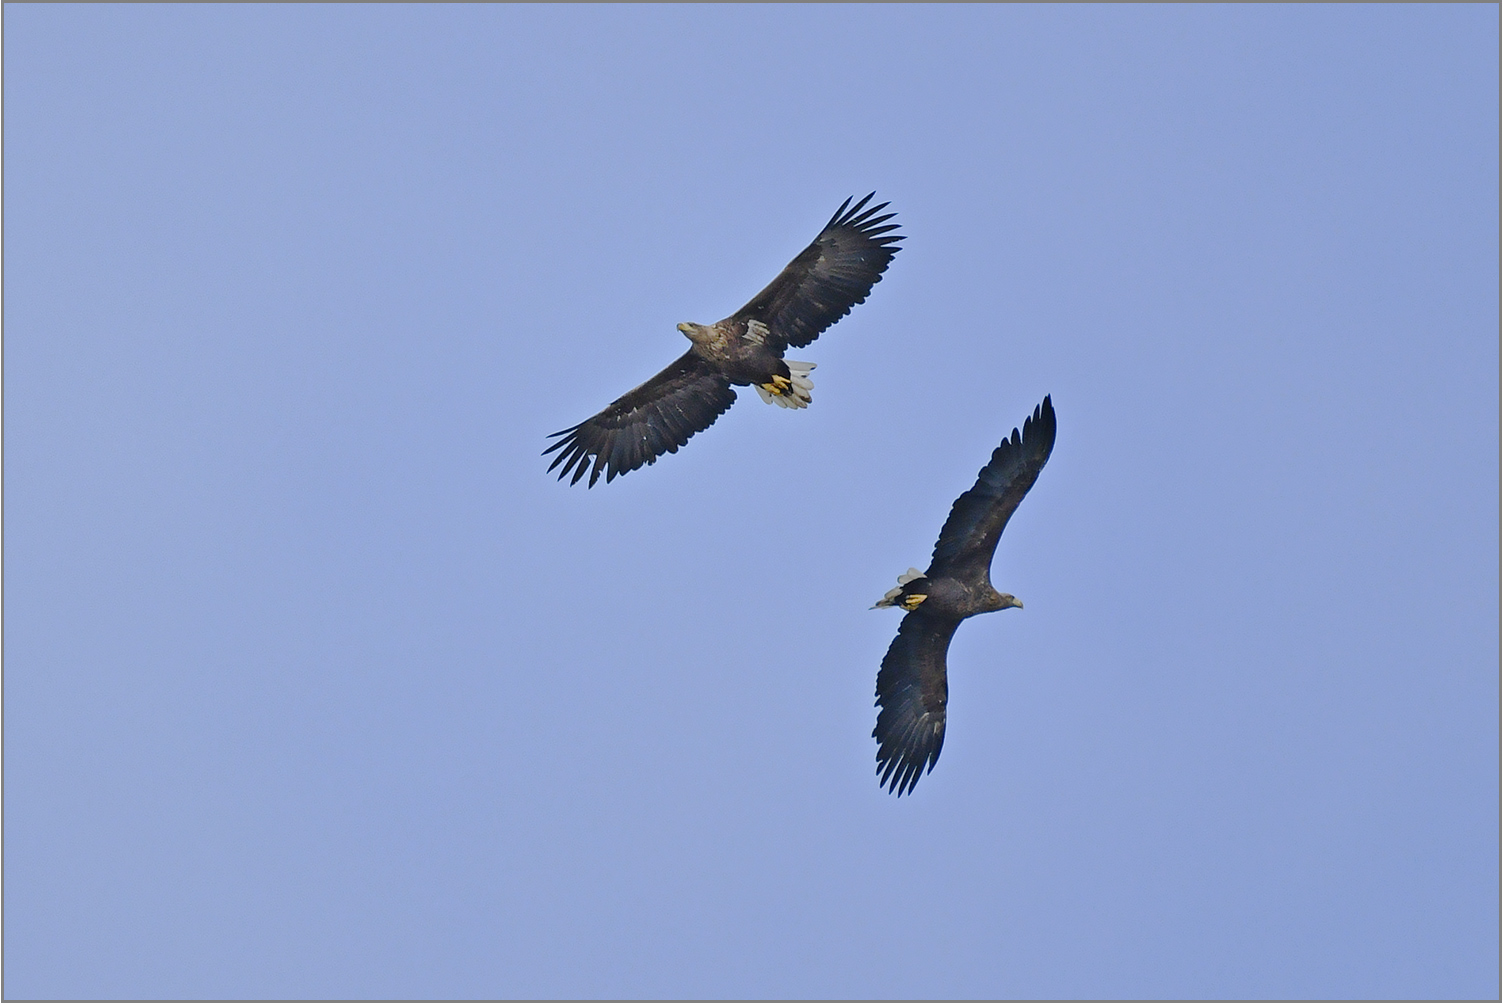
(890, 598)
(792, 391)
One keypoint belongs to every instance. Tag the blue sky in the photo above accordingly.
(318, 686)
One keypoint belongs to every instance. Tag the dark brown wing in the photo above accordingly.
(828, 278)
(970, 535)
(645, 423)
(912, 691)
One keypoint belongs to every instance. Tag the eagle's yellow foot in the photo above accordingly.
(912, 601)
(779, 385)
(791, 391)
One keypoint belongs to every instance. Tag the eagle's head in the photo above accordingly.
(695, 333)
(1000, 601)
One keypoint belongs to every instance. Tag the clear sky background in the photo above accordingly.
(318, 686)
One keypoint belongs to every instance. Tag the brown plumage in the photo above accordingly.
(912, 686)
(819, 287)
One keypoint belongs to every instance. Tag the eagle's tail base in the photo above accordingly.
(900, 595)
(793, 391)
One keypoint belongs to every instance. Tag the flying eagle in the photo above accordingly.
(817, 289)
(911, 686)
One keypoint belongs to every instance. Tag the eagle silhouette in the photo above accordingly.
(912, 689)
(817, 289)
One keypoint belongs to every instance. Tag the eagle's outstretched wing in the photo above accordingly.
(912, 691)
(970, 535)
(828, 278)
(646, 422)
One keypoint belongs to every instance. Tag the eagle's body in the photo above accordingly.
(739, 350)
(913, 687)
(945, 594)
(819, 287)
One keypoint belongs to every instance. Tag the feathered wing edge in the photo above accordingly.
(655, 418)
(912, 692)
(970, 534)
(832, 275)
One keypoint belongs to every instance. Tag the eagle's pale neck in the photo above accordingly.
(698, 334)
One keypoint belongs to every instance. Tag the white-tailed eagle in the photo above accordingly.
(912, 689)
(818, 288)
